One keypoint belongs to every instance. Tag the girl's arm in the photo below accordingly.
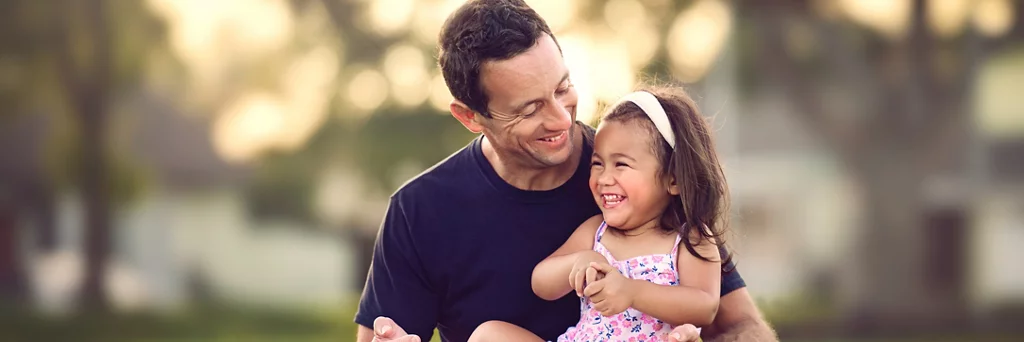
(695, 300)
(550, 278)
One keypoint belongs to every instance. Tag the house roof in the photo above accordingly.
(177, 146)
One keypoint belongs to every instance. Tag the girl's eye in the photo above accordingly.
(595, 163)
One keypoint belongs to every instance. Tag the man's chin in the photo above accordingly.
(555, 158)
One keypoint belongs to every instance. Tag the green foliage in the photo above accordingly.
(34, 81)
(283, 187)
(214, 323)
(384, 143)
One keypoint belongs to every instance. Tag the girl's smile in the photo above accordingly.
(624, 176)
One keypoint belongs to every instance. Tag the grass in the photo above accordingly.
(199, 324)
(259, 324)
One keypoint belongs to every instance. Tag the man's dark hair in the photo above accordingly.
(481, 31)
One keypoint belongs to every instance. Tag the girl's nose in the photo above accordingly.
(605, 178)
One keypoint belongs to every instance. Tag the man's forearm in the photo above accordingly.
(363, 334)
(674, 305)
(753, 331)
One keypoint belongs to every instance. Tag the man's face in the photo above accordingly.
(533, 106)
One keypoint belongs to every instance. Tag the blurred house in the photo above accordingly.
(187, 235)
(999, 234)
(792, 207)
(795, 211)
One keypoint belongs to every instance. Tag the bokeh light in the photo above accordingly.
(248, 126)
(440, 96)
(993, 18)
(367, 90)
(390, 17)
(210, 36)
(890, 18)
(558, 14)
(697, 37)
(576, 51)
(611, 74)
(308, 86)
(406, 68)
(631, 23)
(947, 18)
(429, 18)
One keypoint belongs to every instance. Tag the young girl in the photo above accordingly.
(651, 260)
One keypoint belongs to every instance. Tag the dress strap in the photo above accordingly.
(600, 231)
(675, 247)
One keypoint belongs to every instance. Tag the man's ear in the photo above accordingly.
(466, 116)
(670, 184)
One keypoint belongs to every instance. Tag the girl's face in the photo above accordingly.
(624, 176)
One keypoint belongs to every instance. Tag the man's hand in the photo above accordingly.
(386, 330)
(581, 274)
(612, 294)
(684, 333)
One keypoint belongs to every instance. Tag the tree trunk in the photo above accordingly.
(12, 281)
(364, 244)
(91, 96)
(95, 196)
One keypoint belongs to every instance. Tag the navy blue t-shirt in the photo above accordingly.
(458, 246)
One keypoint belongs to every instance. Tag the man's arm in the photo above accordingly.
(738, 319)
(397, 285)
(363, 334)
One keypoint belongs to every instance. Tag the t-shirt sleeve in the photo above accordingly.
(731, 281)
(396, 286)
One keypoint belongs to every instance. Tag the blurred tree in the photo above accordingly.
(84, 64)
(67, 58)
(906, 141)
(12, 279)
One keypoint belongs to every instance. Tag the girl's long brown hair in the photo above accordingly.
(703, 198)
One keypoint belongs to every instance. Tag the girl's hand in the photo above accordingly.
(613, 294)
(582, 274)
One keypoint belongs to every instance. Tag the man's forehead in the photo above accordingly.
(532, 73)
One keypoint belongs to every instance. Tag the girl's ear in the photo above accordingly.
(671, 186)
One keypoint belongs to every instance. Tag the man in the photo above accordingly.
(459, 242)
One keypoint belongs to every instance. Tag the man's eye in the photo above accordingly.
(621, 164)
(530, 111)
(564, 89)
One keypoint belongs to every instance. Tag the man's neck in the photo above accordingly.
(533, 178)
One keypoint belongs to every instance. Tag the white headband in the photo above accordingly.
(650, 106)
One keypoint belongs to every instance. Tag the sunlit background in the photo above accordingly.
(217, 170)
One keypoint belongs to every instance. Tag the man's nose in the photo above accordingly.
(558, 119)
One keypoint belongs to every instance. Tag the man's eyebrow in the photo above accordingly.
(519, 109)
